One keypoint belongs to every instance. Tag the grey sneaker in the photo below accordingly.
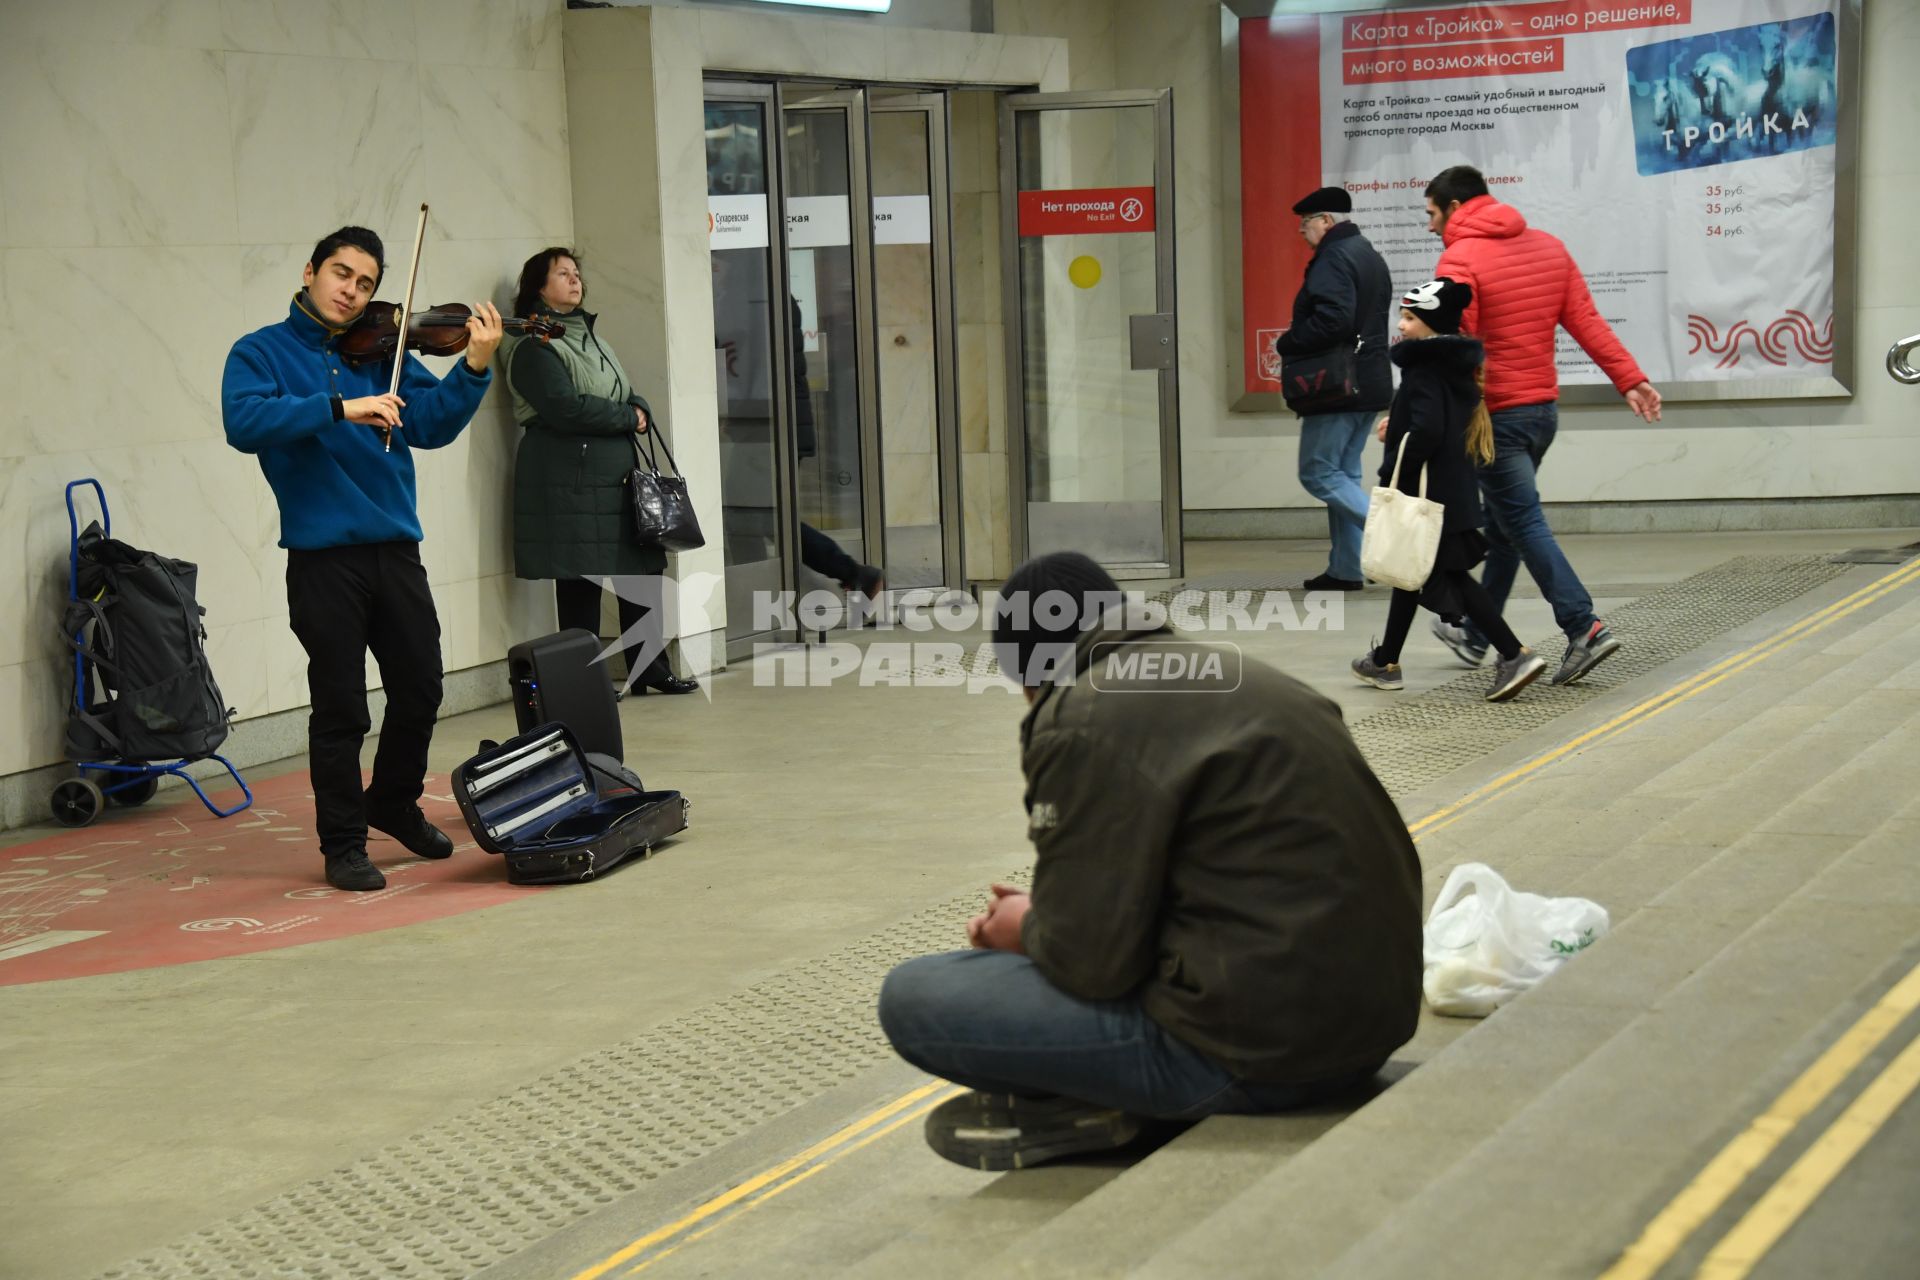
(1379, 676)
(1456, 639)
(1586, 653)
(1511, 675)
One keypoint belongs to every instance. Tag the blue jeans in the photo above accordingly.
(1330, 449)
(1517, 528)
(988, 1020)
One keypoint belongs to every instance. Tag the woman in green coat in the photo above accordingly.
(571, 516)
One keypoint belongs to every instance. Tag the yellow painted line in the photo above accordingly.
(1693, 685)
(952, 1091)
(1723, 1175)
(729, 1198)
(1743, 1247)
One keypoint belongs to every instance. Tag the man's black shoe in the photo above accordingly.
(1001, 1131)
(352, 871)
(416, 835)
(672, 684)
(1327, 582)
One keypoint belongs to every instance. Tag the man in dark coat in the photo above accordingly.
(1345, 301)
(1225, 914)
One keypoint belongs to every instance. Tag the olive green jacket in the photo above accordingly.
(1220, 852)
(571, 516)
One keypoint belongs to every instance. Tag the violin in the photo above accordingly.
(439, 332)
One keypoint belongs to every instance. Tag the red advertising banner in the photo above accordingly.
(1086, 211)
(1506, 22)
(1679, 149)
(1277, 167)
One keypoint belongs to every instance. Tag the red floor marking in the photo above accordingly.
(170, 883)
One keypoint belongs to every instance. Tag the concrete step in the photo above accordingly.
(1611, 1081)
(1659, 771)
(1696, 788)
(1561, 1189)
(1662, 824)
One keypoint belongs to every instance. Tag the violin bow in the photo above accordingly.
(406, 319)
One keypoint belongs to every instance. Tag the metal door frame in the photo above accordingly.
(1165, 302)
(937, 106)
(851, 102)
(786, 521)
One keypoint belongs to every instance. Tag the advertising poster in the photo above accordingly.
(1684, 150)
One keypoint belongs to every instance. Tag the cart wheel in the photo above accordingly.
(136, 794)
(76, 802)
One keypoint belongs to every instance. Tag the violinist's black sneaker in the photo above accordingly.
(1000, 1131)
(416, 835)
(351, 871)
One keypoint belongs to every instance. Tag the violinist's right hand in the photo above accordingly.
(374, 411)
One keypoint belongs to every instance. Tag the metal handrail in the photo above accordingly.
(1897, 360)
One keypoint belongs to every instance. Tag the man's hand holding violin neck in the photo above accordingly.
(374, 411)
(484, 331)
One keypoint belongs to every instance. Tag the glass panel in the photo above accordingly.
(903, 308)
(743, 353)
(825, 367)
(1092, 421)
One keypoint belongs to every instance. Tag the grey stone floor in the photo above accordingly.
(144, 1107)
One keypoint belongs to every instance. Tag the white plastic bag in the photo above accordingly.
(1486, 942)
(1401, 538)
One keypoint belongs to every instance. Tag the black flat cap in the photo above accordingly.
(1326, 200)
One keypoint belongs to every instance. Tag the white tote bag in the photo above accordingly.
(1402, 536)
(1486, 942)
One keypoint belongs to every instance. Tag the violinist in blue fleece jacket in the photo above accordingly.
(352, 534)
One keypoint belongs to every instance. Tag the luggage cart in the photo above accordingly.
(76, 802)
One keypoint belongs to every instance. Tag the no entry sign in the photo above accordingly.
(1086, 211)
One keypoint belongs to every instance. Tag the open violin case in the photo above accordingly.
(557, 814)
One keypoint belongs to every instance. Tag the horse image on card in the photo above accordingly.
(1749, 93)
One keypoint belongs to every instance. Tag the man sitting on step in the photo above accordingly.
(1225, 914)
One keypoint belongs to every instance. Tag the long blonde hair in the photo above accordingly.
(1480, 425)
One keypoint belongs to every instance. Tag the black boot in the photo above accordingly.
(351, 871)
(416, 835)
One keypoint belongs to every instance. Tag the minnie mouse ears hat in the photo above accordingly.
(1441, 303)
(1326, 200)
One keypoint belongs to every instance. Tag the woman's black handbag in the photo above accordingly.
(662, 511)
(1323, 382)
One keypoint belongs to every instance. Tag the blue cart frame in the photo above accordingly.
(77, 801)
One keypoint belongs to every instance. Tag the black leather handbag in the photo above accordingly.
(1323, 382)
(662, 511)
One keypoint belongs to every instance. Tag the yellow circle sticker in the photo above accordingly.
(1084, 271)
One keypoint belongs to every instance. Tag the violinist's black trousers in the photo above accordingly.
(343, 601)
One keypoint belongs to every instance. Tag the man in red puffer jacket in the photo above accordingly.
(1525, 285)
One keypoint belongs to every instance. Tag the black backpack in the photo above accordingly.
(147, 690)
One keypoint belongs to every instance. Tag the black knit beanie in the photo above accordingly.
(1043, 607)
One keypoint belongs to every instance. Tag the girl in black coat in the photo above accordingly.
(1439, 415)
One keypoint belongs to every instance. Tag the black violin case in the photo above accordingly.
(557, 814)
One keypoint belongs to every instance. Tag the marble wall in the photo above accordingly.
(165, 168)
